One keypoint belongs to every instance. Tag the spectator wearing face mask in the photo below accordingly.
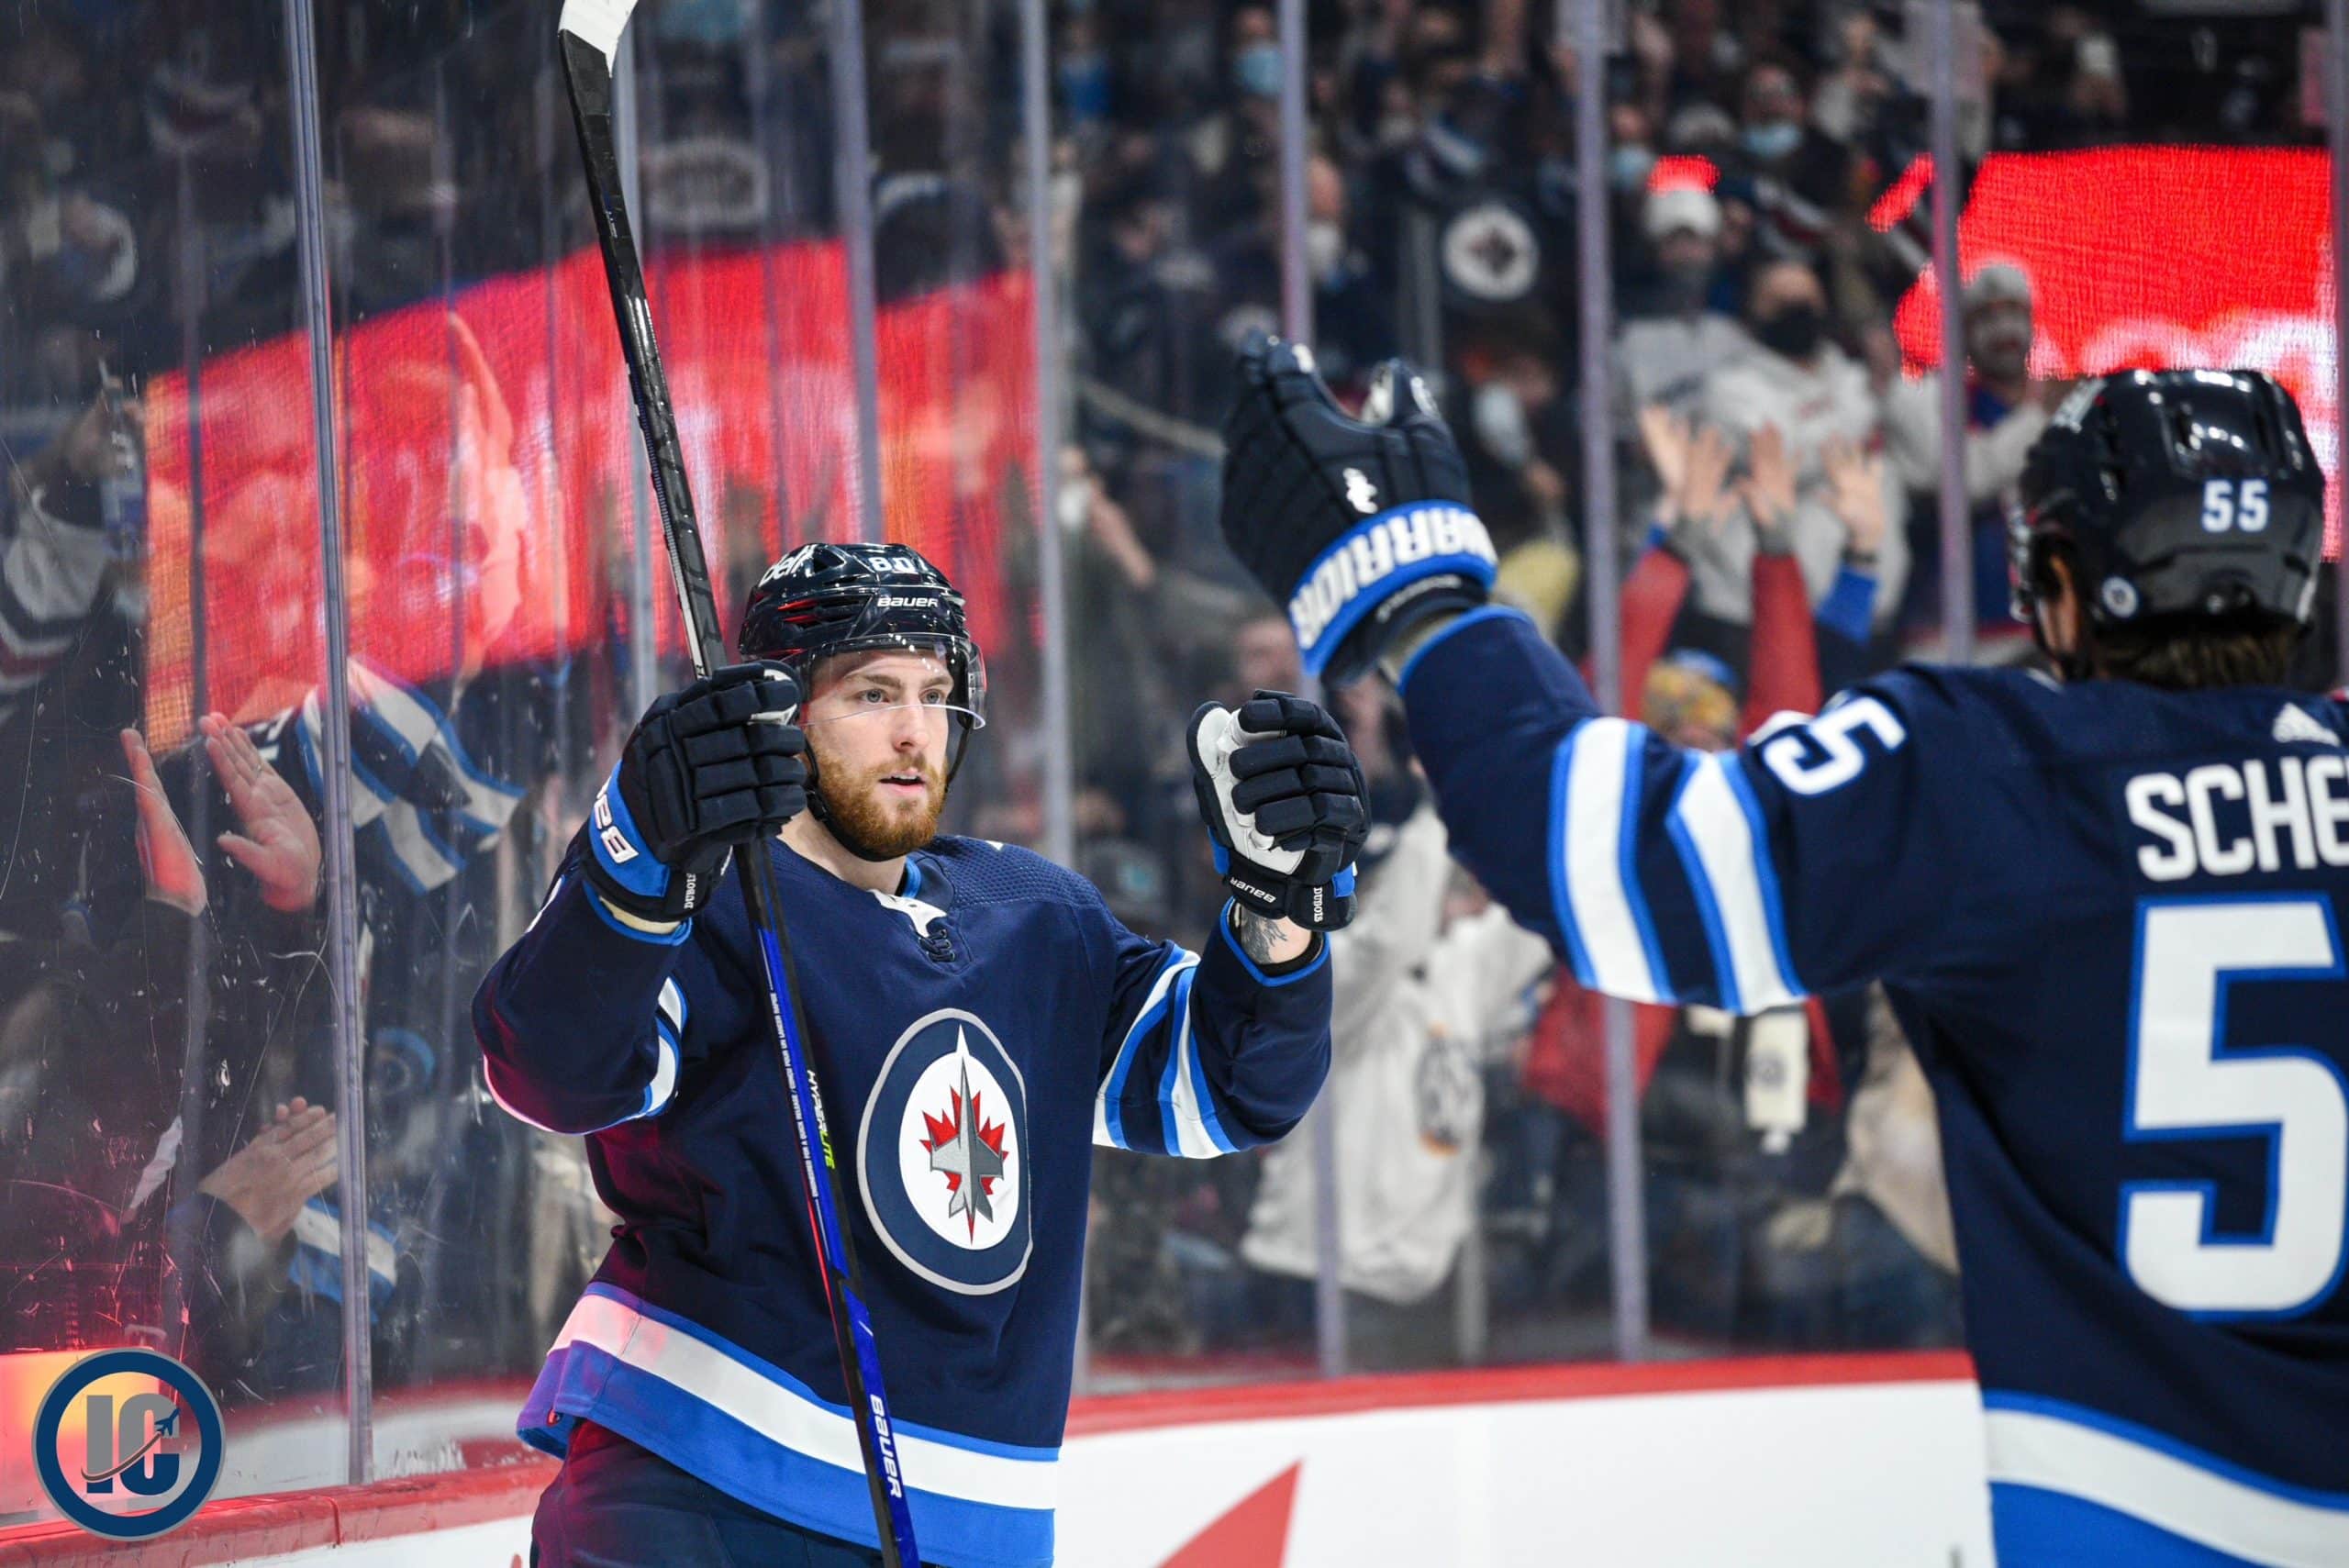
(1353, 326)
(2005, 412)
(1815, 394)
(1800, 174)
(1517, 438)
(1672, 342)
(1238, 147)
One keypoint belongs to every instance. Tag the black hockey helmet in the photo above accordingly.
(823, 599)
(2180, 494)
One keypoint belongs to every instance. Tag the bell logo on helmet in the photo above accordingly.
(789, 564)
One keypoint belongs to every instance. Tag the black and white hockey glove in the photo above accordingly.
(1282, 799)
(717, 765)
(1361, 527)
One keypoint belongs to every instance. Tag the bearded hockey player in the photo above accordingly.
(980, 1022)
(2107, 906)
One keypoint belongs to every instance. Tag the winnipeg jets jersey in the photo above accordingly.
(2110, 917)
(977, 1034)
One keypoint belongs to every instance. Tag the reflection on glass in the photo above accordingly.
(166, 1125)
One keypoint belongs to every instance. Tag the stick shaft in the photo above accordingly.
(588, 71)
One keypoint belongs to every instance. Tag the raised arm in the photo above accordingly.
(1661, 874)
(1203, 1054)
(582, 1022)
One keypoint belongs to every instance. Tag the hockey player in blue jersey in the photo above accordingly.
(2107, 906)
(980, 1022)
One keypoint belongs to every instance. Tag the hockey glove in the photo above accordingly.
(1362, 528)
(1282, 799)
(718, 764)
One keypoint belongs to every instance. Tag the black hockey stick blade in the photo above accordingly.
(588, 35)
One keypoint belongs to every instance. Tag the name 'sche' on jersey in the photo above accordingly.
(979, 1033)
(2111, 919)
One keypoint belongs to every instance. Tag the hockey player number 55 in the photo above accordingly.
(2185, 1083)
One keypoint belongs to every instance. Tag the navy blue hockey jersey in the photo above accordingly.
(978, 1034)
(2110, 917)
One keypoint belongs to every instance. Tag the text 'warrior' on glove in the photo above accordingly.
(1282, 799)
(717, 765)
(1361, 527)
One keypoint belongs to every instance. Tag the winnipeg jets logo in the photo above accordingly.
(942, 1154)
(1361, 494)
(967, 1149)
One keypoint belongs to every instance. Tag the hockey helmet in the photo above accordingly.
(823, 599)
(2179, 493)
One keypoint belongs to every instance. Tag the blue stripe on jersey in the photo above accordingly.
(1113, 1088)
(1203, 1094)
(2161, 1442)
(1185, 1103)
(2036, 1529)
(1223, 923)
(1178, 1025)
(1635, 758)
(1578, 955)
(664, 1071)
(1734, 885)
(1766, 870)
(1716, 940)
(696, 1404)
(1595, 798)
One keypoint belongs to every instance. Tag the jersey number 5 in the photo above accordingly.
(2183, 1083)
(1812, 759)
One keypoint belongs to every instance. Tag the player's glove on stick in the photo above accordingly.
(1284, 800)
(1362, 528)
(717, 765)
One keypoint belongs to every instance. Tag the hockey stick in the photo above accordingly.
(588, 35)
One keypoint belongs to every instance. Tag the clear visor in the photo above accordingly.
(970, 717)
(960, 655)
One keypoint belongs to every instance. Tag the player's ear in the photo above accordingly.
(2057, 607)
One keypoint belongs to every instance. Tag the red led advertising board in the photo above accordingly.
(486, 457)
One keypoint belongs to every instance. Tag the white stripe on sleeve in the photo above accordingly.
(1598, 775)
(1729, 880)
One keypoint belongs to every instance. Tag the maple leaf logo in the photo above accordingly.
(967, 1150)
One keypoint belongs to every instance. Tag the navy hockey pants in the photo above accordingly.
(615, 1504)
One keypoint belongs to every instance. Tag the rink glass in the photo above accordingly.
(162, 565)
(508, 615)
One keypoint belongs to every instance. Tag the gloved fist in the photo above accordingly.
(1361, 527)
(1282, 799)
(718, 764)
